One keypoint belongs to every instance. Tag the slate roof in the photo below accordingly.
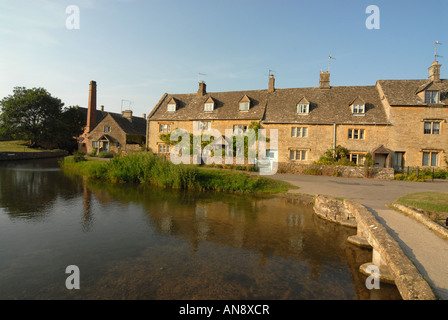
(191, 106)
(137, 126)
(327, 106)
(404, 92)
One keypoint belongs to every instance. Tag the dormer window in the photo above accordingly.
(303, 107)
(359, 109)
(432, 96)
(209, 105)
(245, 104)
(172, 105)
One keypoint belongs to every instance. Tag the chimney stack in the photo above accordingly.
(91, 111)
(127, 114)
(271, 84)
(202, 89)
(324, 82)
(434, 71)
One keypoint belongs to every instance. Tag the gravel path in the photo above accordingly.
(425, 249)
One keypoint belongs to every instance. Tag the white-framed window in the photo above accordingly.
(107, 129)
(204, 125)
(297, 155)
(164, 148)
(299, 132)
(94, 144)
(171, 107)
(244, 106)
(209, 106)
(432, 96)
(359, 108)
(357, 158)
(356, 134)
(239, 129)
(431, 158)
(118, 145)
(164, 127)
(432, 127)
(303, 108)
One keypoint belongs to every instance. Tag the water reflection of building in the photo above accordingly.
(87, 218)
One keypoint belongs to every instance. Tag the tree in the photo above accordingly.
(36, 116)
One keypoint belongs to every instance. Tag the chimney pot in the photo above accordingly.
(127, 114)
(102, 108)
(434, 71)
(202, 89)
(324, 82)
(144, 116)
(271, 84)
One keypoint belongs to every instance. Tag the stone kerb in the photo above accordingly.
(421, 217)
(394, 265)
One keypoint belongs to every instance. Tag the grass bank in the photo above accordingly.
(146, 167)
(434, 204)
(428, 201)
(17, 146)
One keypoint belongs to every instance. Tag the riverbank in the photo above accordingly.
(146, 167)
(28, 155)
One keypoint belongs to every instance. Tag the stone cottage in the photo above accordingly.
(399, 122)
(108, 131)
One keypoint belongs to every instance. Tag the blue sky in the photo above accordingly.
(137, 50)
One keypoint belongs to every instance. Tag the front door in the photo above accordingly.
(380, 160)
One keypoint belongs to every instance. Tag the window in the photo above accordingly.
(356, 134)
(431, 158)
(204, 125)
(107, 129)
(431, 127)
(299, 132)
(164, 128)
(244, 106)
(303, 108)
(163, 148)
(94, 144)
(432, 96)
(118, 145)
(208, 107)
(171, 107)
(359, 108)
(297, 155)
(357, 158)
(239, 129)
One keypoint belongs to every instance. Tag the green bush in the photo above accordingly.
(79, 156)
(105, 154)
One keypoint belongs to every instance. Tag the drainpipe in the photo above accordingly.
(334, 138)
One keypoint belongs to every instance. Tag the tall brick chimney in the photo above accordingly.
(202, 89)
(91, 112)
(271, 84)
(324, 82)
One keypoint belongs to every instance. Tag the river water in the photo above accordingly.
(141, 242)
